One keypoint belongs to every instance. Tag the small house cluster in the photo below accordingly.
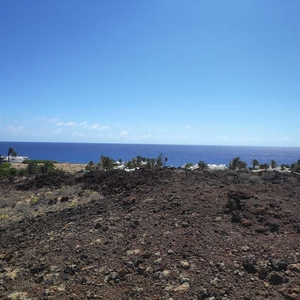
(14, 159)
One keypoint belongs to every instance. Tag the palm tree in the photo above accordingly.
(254, 163)
(139, 160)
(106, 163)
(160, 161)
(274, 164)
(237, 163)
(11, 152)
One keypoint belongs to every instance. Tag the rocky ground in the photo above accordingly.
(151, 234)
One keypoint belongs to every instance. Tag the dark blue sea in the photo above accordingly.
(177, 154)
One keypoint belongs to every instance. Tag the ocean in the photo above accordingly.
(177, 155)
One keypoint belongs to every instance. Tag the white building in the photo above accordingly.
(14, 159)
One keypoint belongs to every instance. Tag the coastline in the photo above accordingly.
(177, 154)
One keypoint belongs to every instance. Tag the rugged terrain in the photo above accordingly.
(151, 234)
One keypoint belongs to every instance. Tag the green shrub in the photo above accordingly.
(5, 165)
(264, 166)
(202, 165)
(32, 168)
(13, 172)
(47, 167)
(7, 171)
(188, 165)
(295, 167)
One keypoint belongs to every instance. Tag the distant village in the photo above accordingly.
(12, 157)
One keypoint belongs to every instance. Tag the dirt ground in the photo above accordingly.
(151, 234)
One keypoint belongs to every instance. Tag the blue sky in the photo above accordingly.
(160, 71)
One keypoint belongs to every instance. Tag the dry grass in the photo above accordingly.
(16, 205)
(67, 167)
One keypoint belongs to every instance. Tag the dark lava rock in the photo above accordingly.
(72, 269)
(98, 225)
(249, 264)
(297, 227)
(233, 204)
(64, 199)
(185, 224)
(279, 265)
(203, 294)
(37, 269)
(276, 278)
(52, 201)
(236, 217)
(238, 195)
(247, 297)
(273, 226)
(261, 229)
(292, 259)
(263, 273)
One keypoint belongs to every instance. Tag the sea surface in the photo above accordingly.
(177, 155)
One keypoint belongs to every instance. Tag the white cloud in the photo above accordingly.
(13, 128)
(85, 125)
(70, 124)
(124, 133)
(224, 138)
(254, 138)
(48, 120)
(99, 127)
(141, 137)
(78, 134)
(95, 126)
(60, 123)
(187, 126)
(103, 127)
(58, 131)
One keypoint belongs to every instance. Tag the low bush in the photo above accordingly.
(202, 165)
(295, 167)
(188, 165)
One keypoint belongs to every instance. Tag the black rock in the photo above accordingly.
(203, 294)
(275, 278)
(249, 264)
(279, 265)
